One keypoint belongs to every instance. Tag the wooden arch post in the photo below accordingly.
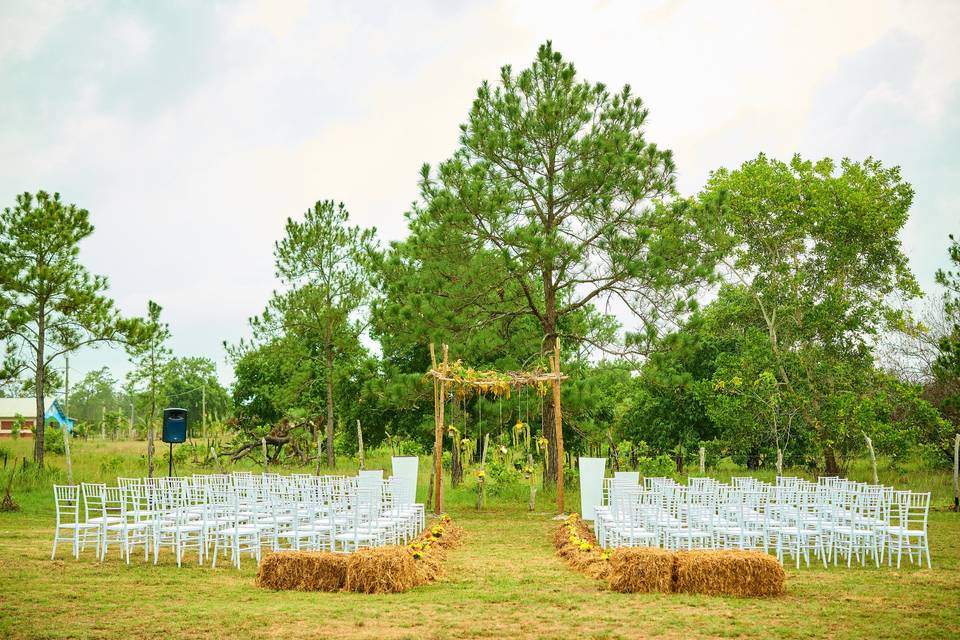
(557, 421)
(439, 400)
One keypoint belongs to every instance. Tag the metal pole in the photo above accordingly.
(204, 427)
(170, 472)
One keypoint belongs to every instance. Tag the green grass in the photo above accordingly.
(505, 581)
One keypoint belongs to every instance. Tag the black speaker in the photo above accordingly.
(174, 425)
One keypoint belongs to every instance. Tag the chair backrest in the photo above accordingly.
(92, 498)
(916, 510)
(67, 500)
(113, 499)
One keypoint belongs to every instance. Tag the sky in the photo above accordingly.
(192, 130)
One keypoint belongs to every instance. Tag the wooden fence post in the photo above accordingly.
(263, 443)
(66, 451)
(873, 457)
(956, 471)
(360, 443)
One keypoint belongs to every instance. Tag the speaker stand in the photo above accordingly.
(170, 472)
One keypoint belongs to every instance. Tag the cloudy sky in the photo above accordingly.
(191, 130)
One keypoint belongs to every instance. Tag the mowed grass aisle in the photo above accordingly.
(505, 581)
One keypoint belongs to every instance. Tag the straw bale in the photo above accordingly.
(388, 569)
(641, 570)
(302, 571)
(568, 538)
(728, 572)
(382, 570)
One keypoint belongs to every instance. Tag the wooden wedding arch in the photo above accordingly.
(449, 376)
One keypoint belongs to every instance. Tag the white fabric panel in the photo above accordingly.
(591, 485)
(407, 467)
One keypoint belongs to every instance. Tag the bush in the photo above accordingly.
(571, 478)
(111, 465)
(410, 448)
(502, 479)
(53, 441)
(662, 465)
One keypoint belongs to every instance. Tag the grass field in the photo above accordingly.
(505, 581)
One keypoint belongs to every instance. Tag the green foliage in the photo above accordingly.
(658, 466)
(187, 382)
(53, 441)
(50, 305)
(816, 249)
(307, 342)
(150, 357)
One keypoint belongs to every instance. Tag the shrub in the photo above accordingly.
(410, 448)
(502, 479)
(53, 440)
(662, 465)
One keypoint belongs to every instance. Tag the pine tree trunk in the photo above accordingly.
(331, 461)
(151, 434)
(39, 424)
(830, 458)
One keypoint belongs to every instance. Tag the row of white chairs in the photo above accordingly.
(831, 520)
(236, 514)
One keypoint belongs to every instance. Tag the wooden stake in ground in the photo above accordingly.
(319, 453)
(873, 457)
(956, 472)
(360, 444)
(533, 483)
(482, 477)
(8, 503)
(216, 459)
(66, 452)
(558, 422)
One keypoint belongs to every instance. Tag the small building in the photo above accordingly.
(24, 412)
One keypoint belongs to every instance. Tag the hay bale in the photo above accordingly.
(569, 538)
(641, 570)
(728, 572)
(389, 569)
(383, 570)
(429, 567)
(450, 537)
(302, 571)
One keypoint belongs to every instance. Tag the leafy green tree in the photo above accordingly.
(947, 363)
(50, 305)
(191, 383)
(324, 265)
(150, 357)
(817, 247)
(553, 205)
(95, 394)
